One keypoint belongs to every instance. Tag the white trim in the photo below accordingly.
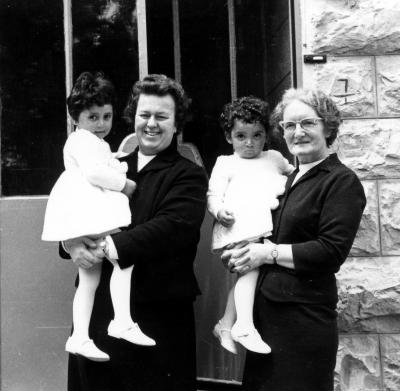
(68, 46)
(177, 41)
(232, 48)
(177, 48)
(22, 198)
(296, 35)
(142, 38)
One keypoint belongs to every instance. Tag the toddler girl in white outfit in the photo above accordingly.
(91, 197)
(243, 189)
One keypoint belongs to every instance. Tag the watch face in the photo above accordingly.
(274, 253)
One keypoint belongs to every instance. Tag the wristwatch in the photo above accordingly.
(274, 254)
(106, 250)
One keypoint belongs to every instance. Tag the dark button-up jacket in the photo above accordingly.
(319, 216)
(168, 208)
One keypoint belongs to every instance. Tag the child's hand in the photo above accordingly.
(225, 217)
(129, 188)
(98, 251)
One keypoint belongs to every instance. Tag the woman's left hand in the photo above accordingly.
(244, 259)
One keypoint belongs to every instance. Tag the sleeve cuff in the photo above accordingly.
(64, 247)
(112, 252)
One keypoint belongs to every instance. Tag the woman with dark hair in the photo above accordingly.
(314, 229)
(167, 211)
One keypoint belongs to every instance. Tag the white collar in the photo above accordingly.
(303, 168)
(144, 159)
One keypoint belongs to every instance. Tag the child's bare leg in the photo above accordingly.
(244, 298)
(79, 342)
(229, 317)
(123, 326)
(83, 301)
(222, 330)
(243, 331)
(120, 289)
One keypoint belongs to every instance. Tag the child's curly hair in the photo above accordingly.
(248, 109)
(89, 90)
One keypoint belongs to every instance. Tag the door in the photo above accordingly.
(219, 50)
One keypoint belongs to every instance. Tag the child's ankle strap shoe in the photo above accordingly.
(85, 348)
(250, 339)
(130, 332)
(225, 338)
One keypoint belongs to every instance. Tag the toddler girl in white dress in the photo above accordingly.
(243, 189)
(91, 198)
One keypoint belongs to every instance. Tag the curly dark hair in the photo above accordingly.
(323, 105)
(248, 109)
(159, 85)
(90, 89)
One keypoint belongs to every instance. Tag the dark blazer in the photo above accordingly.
(168, 208)
(319, 215)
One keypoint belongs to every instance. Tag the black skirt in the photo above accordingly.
(304, 343)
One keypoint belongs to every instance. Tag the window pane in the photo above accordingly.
(250, 47)
(105, 39)
(263, 45)
(205, 73)
(160, 40)
(33, 126)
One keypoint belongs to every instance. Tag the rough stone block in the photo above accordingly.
(352, 26)
(357, 363)
(367, 239)
(371, 147)
(388, 85)
(350, 81)
(389, 197)
(390, 353)
(369, 295)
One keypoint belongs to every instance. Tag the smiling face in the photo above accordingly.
(97, 120)
(155, 123)
(247, 139)
(307, 145)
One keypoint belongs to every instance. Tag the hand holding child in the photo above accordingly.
(225, 217)
(84, 251)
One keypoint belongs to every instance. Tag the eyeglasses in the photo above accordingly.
(305, 123)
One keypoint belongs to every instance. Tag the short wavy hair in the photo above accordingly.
(160, 85)
(323, 105)
(90, 89)
(248, 109)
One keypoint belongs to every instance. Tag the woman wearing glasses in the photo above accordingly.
(314, 229)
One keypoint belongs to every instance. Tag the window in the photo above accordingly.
(33, 117)
(105, 39)
(33, 127)
(219, 50)
(205, 73)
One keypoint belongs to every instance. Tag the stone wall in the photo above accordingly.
(361, 39)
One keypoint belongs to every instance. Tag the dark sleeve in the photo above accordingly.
(174, 227)
(62, 253)
(338, 224)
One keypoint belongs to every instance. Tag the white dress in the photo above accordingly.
(87, 198)
(249, 188)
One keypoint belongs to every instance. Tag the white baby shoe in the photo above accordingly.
(250, 339)
(225, 338)
(85, 348)
(130, 332)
